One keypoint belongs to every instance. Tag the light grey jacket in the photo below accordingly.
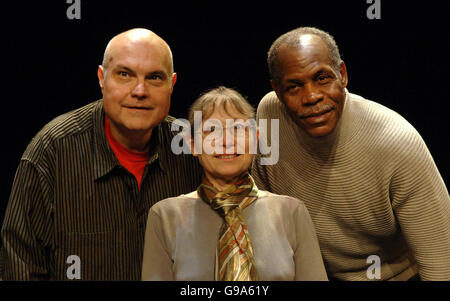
(182, 235)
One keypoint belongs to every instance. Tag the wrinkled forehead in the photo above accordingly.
(308, 48)
(304, 56)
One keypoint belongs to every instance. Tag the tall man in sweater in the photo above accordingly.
(379, 205)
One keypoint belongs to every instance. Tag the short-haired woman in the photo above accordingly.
(228, 229)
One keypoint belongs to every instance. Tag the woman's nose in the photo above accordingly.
(228, 137)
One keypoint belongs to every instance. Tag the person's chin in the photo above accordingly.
(229, 173)
(142, 123)
(320, 131)
(139, 127)
(322, 128)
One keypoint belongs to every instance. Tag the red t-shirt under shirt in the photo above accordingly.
(134, 162)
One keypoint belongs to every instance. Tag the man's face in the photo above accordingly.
(312, 91)
(136, 85)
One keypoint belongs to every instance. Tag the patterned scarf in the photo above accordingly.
(234, 255)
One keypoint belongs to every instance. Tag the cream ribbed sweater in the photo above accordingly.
(371, 187)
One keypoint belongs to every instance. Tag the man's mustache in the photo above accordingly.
(317, 110)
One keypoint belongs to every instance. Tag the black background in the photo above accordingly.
(50, 62)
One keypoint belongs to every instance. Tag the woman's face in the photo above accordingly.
(225, 154)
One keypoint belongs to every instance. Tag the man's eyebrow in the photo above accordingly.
(323, 71)
(155, 72)
(119, 66)
(294, 81)
(158, 72)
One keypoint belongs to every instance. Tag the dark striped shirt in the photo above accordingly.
(72, 197)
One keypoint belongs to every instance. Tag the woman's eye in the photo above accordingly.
(210, 130)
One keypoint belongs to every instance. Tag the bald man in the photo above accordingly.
(83, 188)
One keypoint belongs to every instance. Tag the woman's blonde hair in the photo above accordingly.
(220, 97)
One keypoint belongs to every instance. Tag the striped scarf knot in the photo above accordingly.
(234, 254)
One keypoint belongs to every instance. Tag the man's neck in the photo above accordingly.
(135, 141)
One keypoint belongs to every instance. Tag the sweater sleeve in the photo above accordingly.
(421, 203)
(157, 263)
(309, 265)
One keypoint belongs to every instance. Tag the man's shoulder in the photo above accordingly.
(379, 116)
(270, 97)
(65, 125)
(386, 130)
(73, 121)
(166, 126)
(269, 100)
(270, 106)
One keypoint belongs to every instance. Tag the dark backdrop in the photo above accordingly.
(50, 62)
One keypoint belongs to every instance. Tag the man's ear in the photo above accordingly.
(101, 76)
(273, 85)
(275, 88)
(174, 80)
(344, 76)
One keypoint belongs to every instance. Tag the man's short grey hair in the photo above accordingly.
(291, 39)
